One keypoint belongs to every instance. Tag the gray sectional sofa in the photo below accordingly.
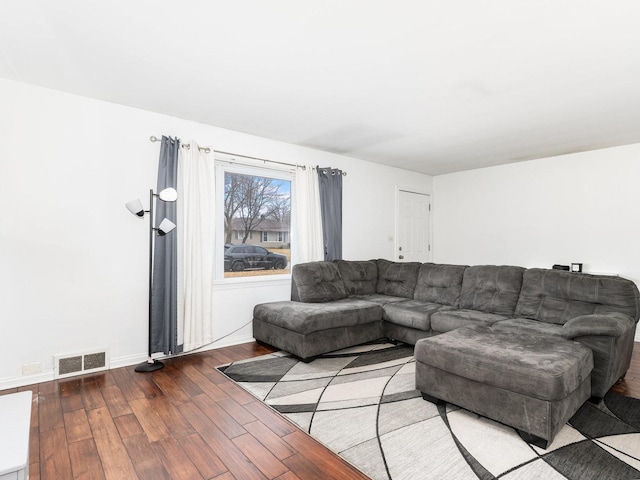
(525, 347)
(339, 304)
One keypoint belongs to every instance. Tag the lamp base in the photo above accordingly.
(151, 366)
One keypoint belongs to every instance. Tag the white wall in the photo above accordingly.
(73, 261)
(581, 207)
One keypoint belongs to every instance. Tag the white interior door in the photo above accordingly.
(413, 227)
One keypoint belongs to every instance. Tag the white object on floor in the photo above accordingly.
(15, 425)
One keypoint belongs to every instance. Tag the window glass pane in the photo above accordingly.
(262, 205)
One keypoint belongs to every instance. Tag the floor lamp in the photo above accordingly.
(166, 226)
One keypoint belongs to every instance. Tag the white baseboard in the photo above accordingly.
(126, 361)
(225, 342)
(23, 380)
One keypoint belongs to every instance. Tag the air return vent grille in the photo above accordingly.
(80, 363)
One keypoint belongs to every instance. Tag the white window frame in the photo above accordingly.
(239, 235)
(223, 166)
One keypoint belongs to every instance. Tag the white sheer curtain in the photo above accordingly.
(308, 243)
(196, 244)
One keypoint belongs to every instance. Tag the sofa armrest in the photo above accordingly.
(610, 325)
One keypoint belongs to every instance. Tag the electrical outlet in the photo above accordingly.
(31, 368)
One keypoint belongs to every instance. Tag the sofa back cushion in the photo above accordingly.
(491, 288)
(316, 282)
(439, 283)
(359, 277)
(397, 279)
(556, 296)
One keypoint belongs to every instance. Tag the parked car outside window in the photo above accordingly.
(238, 258)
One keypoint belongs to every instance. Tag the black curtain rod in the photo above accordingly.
(153, 138)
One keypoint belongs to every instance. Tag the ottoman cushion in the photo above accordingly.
(306, 318)
(532, 382)
(543, 367)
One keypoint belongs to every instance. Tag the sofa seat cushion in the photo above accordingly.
(491, 288)
(306, 318)
(526, 325)
(359, 277)
(379, 298)
(540, 366)
(438, 283)
(412, 313)
(447, 320)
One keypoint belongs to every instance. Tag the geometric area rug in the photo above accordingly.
(362, 404)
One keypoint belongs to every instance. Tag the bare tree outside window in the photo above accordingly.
(259, 208)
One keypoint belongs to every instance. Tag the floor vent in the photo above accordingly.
(80, 363)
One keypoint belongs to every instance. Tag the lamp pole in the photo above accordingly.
(150, 365)
(135, 207)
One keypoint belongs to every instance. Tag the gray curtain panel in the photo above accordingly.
(164, 298)
(330, 181)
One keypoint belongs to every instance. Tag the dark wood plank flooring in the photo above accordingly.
(186, 421)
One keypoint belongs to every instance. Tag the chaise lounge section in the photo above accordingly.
(531, 382)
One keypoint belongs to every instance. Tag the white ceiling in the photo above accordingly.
(429, 86)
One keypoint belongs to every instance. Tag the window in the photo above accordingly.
(239, 235)
(254, 201)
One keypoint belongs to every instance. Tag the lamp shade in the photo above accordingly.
(135, 207)
(165, 226)
(168, 195)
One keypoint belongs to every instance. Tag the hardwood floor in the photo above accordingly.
(186, 421)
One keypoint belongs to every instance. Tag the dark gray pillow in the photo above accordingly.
(317, 282)
(397, 279)
(359, 277)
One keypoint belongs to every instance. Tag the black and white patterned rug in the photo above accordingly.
(361, 403)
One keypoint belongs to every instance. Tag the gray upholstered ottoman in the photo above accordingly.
(530, 382)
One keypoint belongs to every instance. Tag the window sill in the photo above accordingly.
(253, 282)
